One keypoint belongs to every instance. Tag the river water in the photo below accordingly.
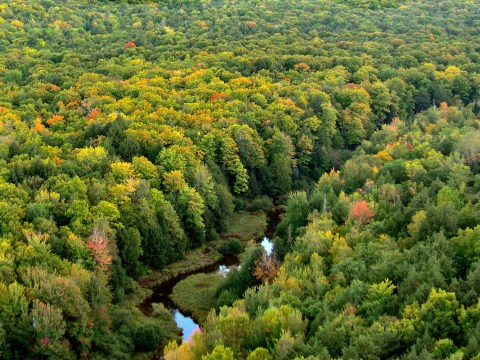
(185, 322)
(161, 294)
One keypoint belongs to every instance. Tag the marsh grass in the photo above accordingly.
(195, 295)
(242, 225)
(246, 226)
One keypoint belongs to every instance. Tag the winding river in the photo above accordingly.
(161, 293)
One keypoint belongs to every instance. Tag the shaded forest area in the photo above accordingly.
(131, 131)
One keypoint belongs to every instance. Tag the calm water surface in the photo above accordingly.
(186, 323)
(161, 294)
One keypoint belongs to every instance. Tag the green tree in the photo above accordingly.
(220, 352)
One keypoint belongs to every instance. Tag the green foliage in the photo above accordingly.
(232, 164)
(219, 353)
(126, 126)
(402, 282)
(231, 247)
(147, 337)
(196, 294)
(263, 203)
(240, 280)
(447, 194)
(380, 300)
(226, 298)
(467, 247)
(259, 354)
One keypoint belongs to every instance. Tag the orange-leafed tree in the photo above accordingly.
(218, 96)
(266, 268)
(93, 113)
(55, 119)
(301, 66)
(362, 212)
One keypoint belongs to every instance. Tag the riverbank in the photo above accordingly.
(242, 225)
(157, 286)
(195, 295)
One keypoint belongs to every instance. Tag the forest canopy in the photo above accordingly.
(130, 131)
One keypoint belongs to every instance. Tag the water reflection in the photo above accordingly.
(185, 323)
(267, 245)
(223, 270)
(162, 293)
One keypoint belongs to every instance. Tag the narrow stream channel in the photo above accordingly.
(161, 294)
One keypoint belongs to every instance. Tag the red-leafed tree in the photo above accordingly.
(98, 245)
(219, 96)
(362, 212)
(130, 45)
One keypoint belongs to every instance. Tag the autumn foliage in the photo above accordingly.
(95, 112)
(130, 131)
(218, 96)
(55, 119)
(266, 268)
(361, 211)
(98, 245)
(301, 66)
(130, 45)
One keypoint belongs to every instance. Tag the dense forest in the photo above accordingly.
(130, 132)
